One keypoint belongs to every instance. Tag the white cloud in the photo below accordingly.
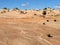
(57, 6)
(24, 4)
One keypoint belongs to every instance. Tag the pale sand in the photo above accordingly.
(27, 29)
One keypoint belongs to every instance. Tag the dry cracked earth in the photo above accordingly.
(32, 31)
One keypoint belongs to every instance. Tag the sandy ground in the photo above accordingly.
(29, 28)
(29, 31)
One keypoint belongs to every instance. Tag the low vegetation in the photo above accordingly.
(55, 20)
(35, 14)
(22, 12)
(49, 35)
(44, 24)
(44, 12)
(47, 20)
(16, 9)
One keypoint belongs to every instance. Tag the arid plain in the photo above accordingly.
(30, 27)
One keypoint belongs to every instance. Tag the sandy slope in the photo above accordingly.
(28, 29)
(28, 32)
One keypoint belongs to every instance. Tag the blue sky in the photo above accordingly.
(29, 4)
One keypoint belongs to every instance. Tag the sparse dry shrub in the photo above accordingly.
(44, 12)
(4, 11)
(55, 20)
(22, 12)
(5, 8)
(35, 14)
(43, 23)
(45, 9)
(15, 9)
(47, 20)
(49, 35)
(25, 9)
(1, 12)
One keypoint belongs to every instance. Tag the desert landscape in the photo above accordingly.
(30, 27)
